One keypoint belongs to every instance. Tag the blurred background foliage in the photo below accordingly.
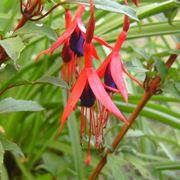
(151, 148)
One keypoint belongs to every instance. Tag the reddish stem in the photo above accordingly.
(24, 19)
(147, 95)
(21, 23)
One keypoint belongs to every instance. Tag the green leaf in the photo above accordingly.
(161, 68)
(31, 29)
(140, 166)
(11, 146)
(109, 5)
(3, 173)
(115, 164)
(13, 47)
(12, 105)
(1, 156)
(171, 88)
(52, 80)
(43, 80)
(171, 14)
(147, 30)
(134, 133)
(53, 163)
(170, 165)
(72, 127)
(7, 73)
(154, 112)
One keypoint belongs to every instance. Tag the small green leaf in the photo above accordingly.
(115, 163)
(171, 14)
(12, 105)
(112, 6)
(30, 29)
(140, 167)
(11, 146)
(13, 47)
(161, 68)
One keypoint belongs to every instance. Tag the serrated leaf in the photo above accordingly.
(109, 5)
(11, 146)
(37, 29)
(115, 164)
(13, 47)
(140, 167)
(12, 105)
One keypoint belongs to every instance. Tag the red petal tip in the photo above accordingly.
(47, 51)
(88, 160)
(136, 2)
(117, 75)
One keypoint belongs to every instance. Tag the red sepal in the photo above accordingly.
(74, 97)
(101, 94)
(117, 75)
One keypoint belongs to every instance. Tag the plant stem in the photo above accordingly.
(147, 95)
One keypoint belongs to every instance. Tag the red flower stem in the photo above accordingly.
(147, 95)
(21, 23)
(52, 9)
(24, 19)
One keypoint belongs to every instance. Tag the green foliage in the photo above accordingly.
(13, 47)
(33, 96)
(11, 105)
(31, 30)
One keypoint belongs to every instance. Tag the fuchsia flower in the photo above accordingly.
(73, 40)
(112, 68)
(67, 54)
(92, 94)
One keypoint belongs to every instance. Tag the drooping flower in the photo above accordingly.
(112, 68)
(70, 28)
(92, 95)
(73, 39)
(68, 54)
